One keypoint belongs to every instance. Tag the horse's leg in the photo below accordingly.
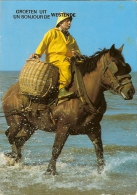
(95, 137)
(14, 123)
(18, 133)
(60, 139)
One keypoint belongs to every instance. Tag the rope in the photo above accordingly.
(14, 112)
(8, 112)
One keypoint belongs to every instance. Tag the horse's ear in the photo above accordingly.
(112, 49)
(121, 48)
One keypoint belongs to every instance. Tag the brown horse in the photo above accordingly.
(105, 70)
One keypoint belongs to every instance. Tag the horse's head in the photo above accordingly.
(115, 76)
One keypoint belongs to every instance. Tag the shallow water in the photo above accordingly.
(77, 163)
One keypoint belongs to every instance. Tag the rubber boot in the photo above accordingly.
(63, 93)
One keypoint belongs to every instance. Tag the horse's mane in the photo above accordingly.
(90, 63)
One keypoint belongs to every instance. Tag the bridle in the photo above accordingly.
(109, 70)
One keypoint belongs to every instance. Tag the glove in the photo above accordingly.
(34, 55)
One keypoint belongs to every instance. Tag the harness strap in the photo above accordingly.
(80, 86)
(116, 79)
(124, 76)
(126, 82)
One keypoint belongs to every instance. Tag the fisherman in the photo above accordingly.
(59, 46)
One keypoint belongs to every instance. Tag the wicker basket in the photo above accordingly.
(37, 77)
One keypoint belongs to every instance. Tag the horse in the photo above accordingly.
(104, 70)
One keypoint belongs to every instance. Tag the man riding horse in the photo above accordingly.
(105, 70)
(59, 46)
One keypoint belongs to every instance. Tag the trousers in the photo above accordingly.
(65, 73)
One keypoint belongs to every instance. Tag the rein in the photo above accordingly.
(82, 94)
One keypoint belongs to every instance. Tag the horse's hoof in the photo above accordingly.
(100, 166)
(11, 160)
(100, 169)
(51, 172)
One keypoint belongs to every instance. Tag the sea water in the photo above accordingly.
(77, 163)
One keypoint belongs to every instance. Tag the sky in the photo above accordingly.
(96, 25)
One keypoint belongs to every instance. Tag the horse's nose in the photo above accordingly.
(130, 93)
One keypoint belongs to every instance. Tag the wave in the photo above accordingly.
(121, 117)
(75, 179)
(115, 148)
(107, 149)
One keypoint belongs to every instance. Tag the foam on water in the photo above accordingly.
(70, 177)
(2, 160)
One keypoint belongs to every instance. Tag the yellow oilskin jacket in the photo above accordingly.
(56, 47)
